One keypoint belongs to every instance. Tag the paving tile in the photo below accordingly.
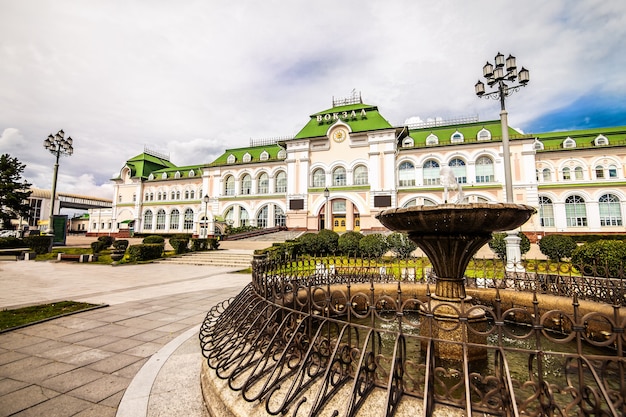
(78, 337)
(40, 373)
(114, 363)
(121, 345)
(120, 331)
(11, 356)
(98, 410)
(24, 398)
(114, 400)
(131, 370)
(151, 335)
(44, 346)
(78, 322)
(8, 385)
(72, 379)
(60, 406)
(15, 340)
(17, 368)
(99, 340)
(174, 328)
(62, 352)
(48, 330)
(86, 357)
(101, 388)
(140, 323)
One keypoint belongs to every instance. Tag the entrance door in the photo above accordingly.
(339, 223)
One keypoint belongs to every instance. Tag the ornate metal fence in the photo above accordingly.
(335, 337)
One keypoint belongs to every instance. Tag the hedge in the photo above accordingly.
(145, 251)
(153, 239)
(39, 244)
(180, 245)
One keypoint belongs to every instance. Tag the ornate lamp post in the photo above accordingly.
(206, 219)
(503, 77)
(57, 145)
(326, 210)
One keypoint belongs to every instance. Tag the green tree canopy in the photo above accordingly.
(14, 191)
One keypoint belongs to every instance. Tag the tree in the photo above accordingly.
(400, 245)
(557, 247)
(14, 191)
(498, 244)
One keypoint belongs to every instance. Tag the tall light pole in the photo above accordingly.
(503, 77)
(327, 210)
(57, 145)
(206, 219)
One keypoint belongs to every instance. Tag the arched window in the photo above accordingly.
(173, 195)
(319, 178)
(431, 172)
(186, 194)
(546, 173)
(193, 194)
(339, 176)
(188, 219)
(279, 217)
(247, 157)
(483, 134)
(231, 159)
(578, 173)
(601, 140)
(282, 154)
(229, 185)
(610, 210)
(230, 216)
(246, 184)
(599, 171)
(263, 183)
(160, 220)
(406, 174)
(408, 142)
(457, 137)
(484, 169)
(546, 212)
(261, 217)
(569, 143)
(360, 175)
(177, 195)
(281, 182)
(244, 218)
(612, 171)
(458, 167)
(432, 140)
(147, 220)
(567, 174)
(264, 156)
(575, 211)
(175, 220)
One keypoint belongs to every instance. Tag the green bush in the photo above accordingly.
(180, 245)
(213, 243)
(498, 245)
(373, 246)
(98, 246)
(145, 252)
(106, 240)
(604, 258)
(310, 243)
(121, 244)
(349, 243)
(11, 242)
(39, 244)
(557, 247)
(153, 239)
(198, 244)
(329, 240)
(400, 245)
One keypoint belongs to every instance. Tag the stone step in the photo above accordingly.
(213, 258)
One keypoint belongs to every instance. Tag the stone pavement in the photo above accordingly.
(138, 357)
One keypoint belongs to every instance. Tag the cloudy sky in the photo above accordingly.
(191, 78)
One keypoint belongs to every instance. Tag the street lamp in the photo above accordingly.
(57, 145)
(206, 219)
(503, 77)
(326, 209)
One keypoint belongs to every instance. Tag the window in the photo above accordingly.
(230, 216)
(457, 137)
(546, 212)
(177, 174)
(151, 177)
(610, 210)
(546, 173)
(281, 182)
(282, 154)
(263, 184)
(458, 167)
(339, 176)
(177, 195)
(264, 156)
(229, 185)
(134, 197)
(432, 140)
(147, 220)
(160, 220)
(569, 143)
(261, 217)
(186, 194)
(566, 174)
(174, 219)
(601, 140)
(612, 171)
(231, 159)
(538, 146)
(188, 220)
(119, 198)
(406, 174)
(599, 171)
(191, 173)
(360, 175)
(484, 169)
(575, 211)
(319, 178)
(431, 172)
(244, 219)
(247, 157)
(578, 173)
(408, 142)
(246, 184)
(483, 134)
(164, 176)
(193, 194)
(279, 217)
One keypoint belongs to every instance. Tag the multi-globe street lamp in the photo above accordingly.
(503, 77)
(206, 200)
(57, 145)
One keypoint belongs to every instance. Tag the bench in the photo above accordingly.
(14, 254)
(70, 257)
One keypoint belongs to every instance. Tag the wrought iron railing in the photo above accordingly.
(336, 337)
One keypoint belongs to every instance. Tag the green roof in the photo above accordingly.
(553, 141)
(255, 152)
(468, 130)
(183, 172)
(360, 118)
(144, 164)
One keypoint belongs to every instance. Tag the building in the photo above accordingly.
(348, 163)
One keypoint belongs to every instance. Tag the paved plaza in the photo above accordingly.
(139, 356)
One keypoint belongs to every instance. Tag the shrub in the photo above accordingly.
(11, 242)
(498, 245)
(400, 245)
(310, 243)
(604, 258)
(557, 247)
(349, 243)
(120, 245)
(39, 244)
(180, 245)
(145, 252)
(213, 243)
(153, 239)
(198, 244)
(329, 240)
(373, 246)
(106, 240)
(98, 246)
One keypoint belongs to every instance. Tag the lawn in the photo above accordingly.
(28, 315)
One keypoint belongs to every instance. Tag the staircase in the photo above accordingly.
(224, 258)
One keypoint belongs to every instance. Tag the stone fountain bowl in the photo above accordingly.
(452, 219)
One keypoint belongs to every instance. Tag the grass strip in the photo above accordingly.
(20, 317)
